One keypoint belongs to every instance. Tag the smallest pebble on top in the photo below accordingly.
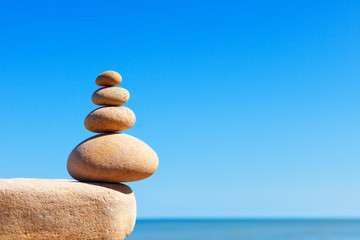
(108, 78)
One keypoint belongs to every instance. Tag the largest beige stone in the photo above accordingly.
(114, 157)
(62, 209)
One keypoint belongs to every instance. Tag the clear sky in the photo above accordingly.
(252, 106)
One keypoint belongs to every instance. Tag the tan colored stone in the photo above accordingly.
(115, 157)
(108, 78)
(110, 96)
(110, 119)
(33, 209)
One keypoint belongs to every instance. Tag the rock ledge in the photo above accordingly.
(65, 209)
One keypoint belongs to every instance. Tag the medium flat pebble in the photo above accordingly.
(110, 119)
(110, 96)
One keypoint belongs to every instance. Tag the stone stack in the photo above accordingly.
(111, 156)
(97, 206)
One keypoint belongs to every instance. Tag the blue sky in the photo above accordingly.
(252, 106)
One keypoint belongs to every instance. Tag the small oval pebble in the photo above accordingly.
(110, 96)
(108, 78)
(110, 119)
(115, 157)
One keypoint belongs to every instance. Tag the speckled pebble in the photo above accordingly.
(110, 119)
(114, 157)
(108, 78)
(110, 96)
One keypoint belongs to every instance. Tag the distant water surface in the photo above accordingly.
(246, 230)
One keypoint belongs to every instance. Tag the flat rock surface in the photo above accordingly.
(114, 157)
(64, 209)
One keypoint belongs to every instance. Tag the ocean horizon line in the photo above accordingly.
(245, 219)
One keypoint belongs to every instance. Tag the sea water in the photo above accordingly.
(246, 230)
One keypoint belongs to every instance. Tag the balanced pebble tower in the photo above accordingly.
(111, 156)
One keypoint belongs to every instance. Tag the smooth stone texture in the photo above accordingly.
(108, 78)
(115, 157)
(110, 119)
(62, 209)
(110, 96)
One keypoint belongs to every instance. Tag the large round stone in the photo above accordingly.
(110, 119)
(110, 96)
(108, 78)
(115, 157)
